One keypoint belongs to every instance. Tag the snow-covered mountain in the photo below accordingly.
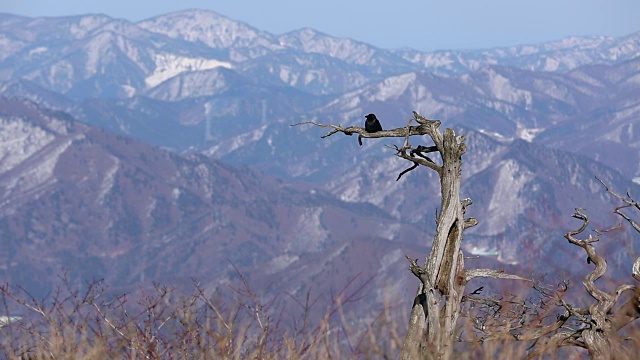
(208, 80)
(94, 55)
(221, 85)
(561, 55)
(196, 82)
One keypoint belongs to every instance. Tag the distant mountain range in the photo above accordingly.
(106, 206)
(206, 80)
(184, 161)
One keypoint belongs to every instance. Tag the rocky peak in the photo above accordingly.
(209, 28)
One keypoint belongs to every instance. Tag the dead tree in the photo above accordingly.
(595, 328)
(437, 305)
(602, 321)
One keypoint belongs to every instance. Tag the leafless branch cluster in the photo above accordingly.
(629, 202)
(164, 324)
(507, 317)
(600, 322)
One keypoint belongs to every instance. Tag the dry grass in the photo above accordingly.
(164, 324)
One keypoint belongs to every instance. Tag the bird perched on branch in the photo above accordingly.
(371, 125)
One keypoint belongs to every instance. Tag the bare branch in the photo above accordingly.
(605, 300)
(415, 165)
(428, 163)
(580, 313)
(350, 130)
(629, 311)
(558, 340)
(424, 149)
(419, 152)
(419, 272)
(470, 222)
(628, 200)
(488, 273)
(465, 203)
(541, 331)
(600, 335)
(406, 145)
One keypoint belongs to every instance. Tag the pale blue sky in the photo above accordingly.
(424, 25)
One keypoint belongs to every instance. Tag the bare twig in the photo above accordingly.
(628, 200)
(488, 273)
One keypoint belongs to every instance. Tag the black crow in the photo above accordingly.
(372, 124)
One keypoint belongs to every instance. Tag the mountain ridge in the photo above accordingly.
(104, 206)
(305, 75)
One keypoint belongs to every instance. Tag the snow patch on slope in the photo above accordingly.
(389, 259)
(502, 89)
(227, 146)
(98, 51)
(393, 87)
(528, 134)
(108, 180)
(86, 25)
(30, 176)
(280, 263)
(506, 203)
(353, 186)
(309, 224)
(170, 65)
(18, 141)
(38, 50)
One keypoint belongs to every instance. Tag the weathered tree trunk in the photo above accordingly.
(436, 307)
(444, 280)
(600, 335)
